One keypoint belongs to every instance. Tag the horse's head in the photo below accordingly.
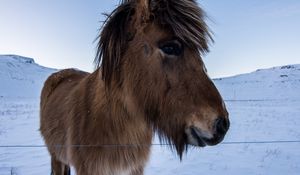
(151, 50)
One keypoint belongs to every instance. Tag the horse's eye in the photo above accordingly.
(173, 48)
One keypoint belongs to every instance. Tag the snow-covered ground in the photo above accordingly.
(263, 106)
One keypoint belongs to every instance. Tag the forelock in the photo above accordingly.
(182, 17)
(186, 19)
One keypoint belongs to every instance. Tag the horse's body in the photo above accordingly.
(70, 121)
(151, 78)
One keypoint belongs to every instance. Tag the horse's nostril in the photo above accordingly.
(221, 125)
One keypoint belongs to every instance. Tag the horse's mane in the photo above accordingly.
(182, 17)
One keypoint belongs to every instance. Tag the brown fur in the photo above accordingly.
(102, 123)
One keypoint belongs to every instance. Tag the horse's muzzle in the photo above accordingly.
(198, 137)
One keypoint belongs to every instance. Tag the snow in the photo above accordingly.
(264, 106)
(21, 76)
(277, 83)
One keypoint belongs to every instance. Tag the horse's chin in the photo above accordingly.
(197, 143)
(199, 138)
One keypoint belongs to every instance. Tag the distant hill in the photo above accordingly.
(264, 84)
(21, 76)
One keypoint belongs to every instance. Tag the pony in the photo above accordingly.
(149, 79)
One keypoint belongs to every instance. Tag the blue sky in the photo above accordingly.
(248, 34)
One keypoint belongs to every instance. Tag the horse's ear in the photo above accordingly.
(143, 11)
(143, 4)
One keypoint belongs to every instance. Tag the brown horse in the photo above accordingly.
(149, 78)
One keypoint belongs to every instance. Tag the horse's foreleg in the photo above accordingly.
(58, 168)
(139, 171)
(67, 170)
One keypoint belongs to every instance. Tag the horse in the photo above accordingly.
(149, 80)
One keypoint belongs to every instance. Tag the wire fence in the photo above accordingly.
(148, 145)
(259, 100)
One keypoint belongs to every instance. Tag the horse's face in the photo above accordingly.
(170, 80)
(162, 71)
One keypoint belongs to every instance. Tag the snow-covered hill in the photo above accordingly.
(263, 106)
(264, 84)
(21, 76)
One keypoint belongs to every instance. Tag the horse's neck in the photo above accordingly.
(126, 121)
